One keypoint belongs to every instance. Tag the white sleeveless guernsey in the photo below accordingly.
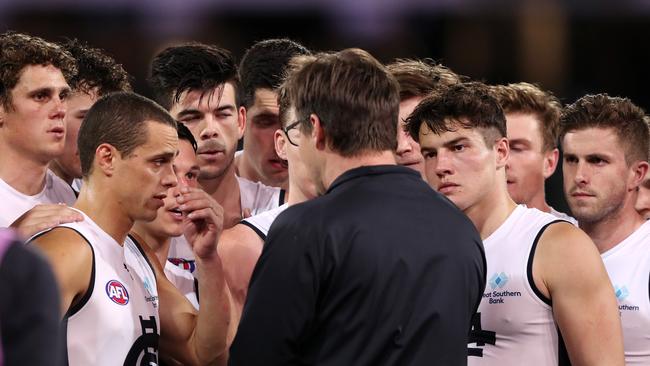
(116, 322)
(15, 203)
(514, 324)
(628, 266)
(258, 197)
(262, 223)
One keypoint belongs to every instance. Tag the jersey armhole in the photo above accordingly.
(254, 228)
(72, 310)
(529, 266)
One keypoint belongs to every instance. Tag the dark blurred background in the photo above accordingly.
(570, 47)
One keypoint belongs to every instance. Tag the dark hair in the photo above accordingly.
(531, 99)
(354, 96)
(619, 114)
(19, 50)
(118, 119)
(188, 67)
(469, 105)
(96, 70)
(184, 133)
(264, 65)
(417, 78)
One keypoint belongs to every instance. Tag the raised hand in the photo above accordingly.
(203, 221)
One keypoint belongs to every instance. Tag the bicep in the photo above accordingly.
(584, 304)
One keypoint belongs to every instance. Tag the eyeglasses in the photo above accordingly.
(292, 131)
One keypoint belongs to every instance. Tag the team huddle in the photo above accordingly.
(376, 214)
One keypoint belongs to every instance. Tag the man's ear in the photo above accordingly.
(280, 144)
(105, 157)
(551, 159)
(241, 122)
(318, 132)
(502, 151)
(638, 171)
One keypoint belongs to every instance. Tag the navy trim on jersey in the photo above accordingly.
(562, 353)
(196, 290)
(529, 267)
(255, 229)
(64, 342)
(139, 246)
(73, 309)
(282, 194)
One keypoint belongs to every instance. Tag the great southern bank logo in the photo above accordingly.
(498, 280)
(621, 292)
(117, 292)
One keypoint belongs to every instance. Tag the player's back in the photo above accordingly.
(401, 271)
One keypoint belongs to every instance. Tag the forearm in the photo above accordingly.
(209, 340)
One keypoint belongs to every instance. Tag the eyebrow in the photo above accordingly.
(227, 107)
(188, 112)
(455, 141)
(166, 155)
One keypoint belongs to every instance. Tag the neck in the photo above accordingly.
(295, 195)
(225, 190)
(56, 169)
(159, 244)
(612, 230)
(244, 169)
(539, 201)
(491, 212)
(335, 164)
(25, 175)
(101, 206)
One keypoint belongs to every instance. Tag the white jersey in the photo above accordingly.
(262, 223)
(14, 203)
(255, 196)
(183, 281)
(258, 197)
(628, 266)
(116, 322)
(563, 216)
(514, 324)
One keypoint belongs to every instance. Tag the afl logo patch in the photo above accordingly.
(117, 292)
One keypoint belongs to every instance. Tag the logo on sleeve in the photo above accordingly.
(117, 292)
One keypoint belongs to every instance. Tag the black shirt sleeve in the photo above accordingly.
(30, 316)
(281, 298)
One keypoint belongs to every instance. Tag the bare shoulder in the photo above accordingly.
(563, 239)
(71, 259)
(566, 257)
(240, 236)
(64, 241)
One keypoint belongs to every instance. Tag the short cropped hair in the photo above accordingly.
(18, 50)
(189, 67)
(118, 119)
(619, 114)
(264, 64)
(468, 105)
(531, 99)
(184, 133)
(417, 78)
(96, 70)
(355, 97)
